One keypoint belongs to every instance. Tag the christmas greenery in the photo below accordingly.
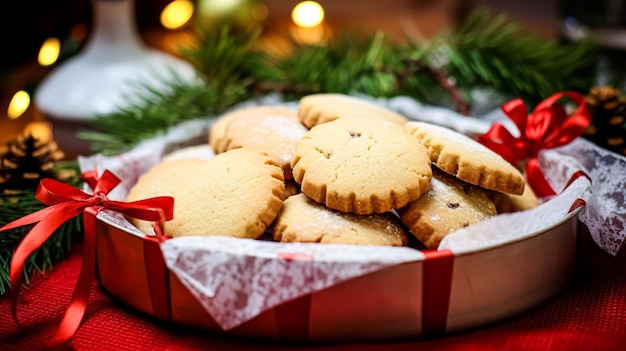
(24, 161)
(492, 52)
(15, 204)
(484, 52)
(55, 248)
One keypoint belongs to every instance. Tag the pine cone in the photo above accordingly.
(607, 107)
(26, 160)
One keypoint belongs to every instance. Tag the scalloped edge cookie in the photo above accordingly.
(321, 108)
(237, 193)
(303, 220)
(272, 129)
(448, 205)
(467, 159)
(361, 165)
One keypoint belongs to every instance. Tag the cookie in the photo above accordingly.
(467, 159)
(274, 130)
(237, 193)
(220, 126)
(321, 108)
(204, 151)
(303, 220)
(448, 205)
(506, 203)
(361, 165)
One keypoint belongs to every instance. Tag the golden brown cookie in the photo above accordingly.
(448, 205)
(274, 130)
(321, 108)
(304, 220)
(361, 165)
(467, 159)
(512, 203)
(220, 127)
(203, 151)
(237, 193)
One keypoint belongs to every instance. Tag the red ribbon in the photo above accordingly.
(548, 126)
(66, 202)
(437, 285)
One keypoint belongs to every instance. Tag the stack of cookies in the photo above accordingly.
(338, 170)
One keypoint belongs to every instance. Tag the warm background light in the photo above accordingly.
(18, 105)
(308, 14)
(176, 14)
(219, 8)
(40, 130)
(49, 52)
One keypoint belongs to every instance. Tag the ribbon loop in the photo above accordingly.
(548, 126)
(65, 202)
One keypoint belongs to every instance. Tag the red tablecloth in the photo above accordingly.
(589, 315)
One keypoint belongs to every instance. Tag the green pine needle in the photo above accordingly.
(19, 204)
(56, 247)
(485, 51)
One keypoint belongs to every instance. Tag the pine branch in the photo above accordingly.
(15, 205)
(485, 51)
(56, 247)
(348, 64)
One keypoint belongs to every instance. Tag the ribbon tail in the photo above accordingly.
(537, 180)
(31, 242)
(78, 303)
(31, 218)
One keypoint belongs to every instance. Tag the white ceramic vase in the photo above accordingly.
(106, 74)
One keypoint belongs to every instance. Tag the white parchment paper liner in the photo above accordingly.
(236, 279)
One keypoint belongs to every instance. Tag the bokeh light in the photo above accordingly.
(40, 130)
(307, 14)
(18, 105)
(177, 13)
(49, 52)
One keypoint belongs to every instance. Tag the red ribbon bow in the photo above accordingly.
(548, 126)
(66, 202)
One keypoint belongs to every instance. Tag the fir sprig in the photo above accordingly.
(14, 205)
(489, 51)
(485, 51)
(348, 64)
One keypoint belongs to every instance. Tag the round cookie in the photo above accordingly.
(448, 205)
(237, 193)
(361, 165)
(274, 130)
(204, 152)
(321, 108)
(467, 159)
(220, 126)
(512, 203)
(304, 220)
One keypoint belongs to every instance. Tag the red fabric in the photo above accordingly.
(589, 315)
(66, 202)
